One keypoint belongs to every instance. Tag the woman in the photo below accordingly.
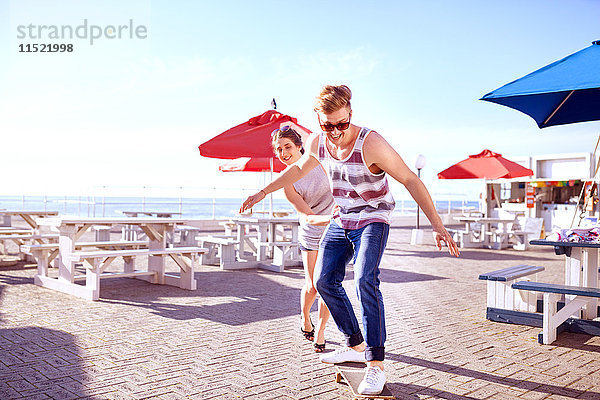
(312, 199)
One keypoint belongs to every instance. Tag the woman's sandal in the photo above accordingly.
(308, 335)
(319, 348)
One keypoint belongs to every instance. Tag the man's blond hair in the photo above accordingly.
(333, 98)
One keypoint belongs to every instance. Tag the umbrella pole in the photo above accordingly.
(583, 186)
(263, 177)
(496, 197)
(271, 195)
(558, 108)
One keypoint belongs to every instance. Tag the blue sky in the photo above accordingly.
(127, 113)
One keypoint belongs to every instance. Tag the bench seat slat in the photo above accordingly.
(559, 289)
(219, 240)
(106, 275)
(81, 255)
(6, 232)
(511, 273)
(87, 244)
(29, 237)
(280, 244)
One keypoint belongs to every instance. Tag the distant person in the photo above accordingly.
(312, 199)
(357, 161)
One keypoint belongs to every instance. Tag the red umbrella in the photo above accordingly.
(252, 165)
(251, 138)
(485, 165)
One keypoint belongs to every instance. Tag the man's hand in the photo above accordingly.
(440, 234)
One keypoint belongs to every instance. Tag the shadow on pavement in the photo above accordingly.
(577, 341)
(395, 276)
(484, 255)
(39, 363)
(543, 388)
(228, 297)
(15, 280)
(19, 266)
(409, 391)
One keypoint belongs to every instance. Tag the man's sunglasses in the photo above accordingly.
(341, 126)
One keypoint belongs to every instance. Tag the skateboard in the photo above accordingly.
(352, 373)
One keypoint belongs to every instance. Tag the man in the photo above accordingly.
(357, 161)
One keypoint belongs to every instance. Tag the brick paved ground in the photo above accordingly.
(237, 336)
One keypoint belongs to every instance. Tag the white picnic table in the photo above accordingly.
(485, 232)
(29, 216)
(22, 236)
(159, 214)
(261, 242)
(581, 268)
(71, 230)
(579, 294)
(129, 232)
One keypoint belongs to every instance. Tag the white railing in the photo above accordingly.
(206, 202)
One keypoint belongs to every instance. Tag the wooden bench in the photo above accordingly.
(461, 237)
(228, 226)
(45, 253)
(584, 299)
(220, 250)
(499, 240)
(528, 229)
(501, 294)
(284, 253)
(14, 231)
(96, 263)
(101, 233)
(5, 220)
(21, 239)
(187, 235)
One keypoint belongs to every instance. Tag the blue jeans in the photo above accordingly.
(365, 245)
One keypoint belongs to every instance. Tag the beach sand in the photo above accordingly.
(237, 335)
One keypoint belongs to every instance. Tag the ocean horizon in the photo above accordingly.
(196, 208)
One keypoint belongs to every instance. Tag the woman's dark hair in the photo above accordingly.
(287, 132)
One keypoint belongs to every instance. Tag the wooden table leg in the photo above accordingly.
(263, 237)
(158, 241)
(241, 238)
(590, 279)
(573, 272)
(66, 247)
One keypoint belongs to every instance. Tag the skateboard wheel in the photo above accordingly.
(338, 377)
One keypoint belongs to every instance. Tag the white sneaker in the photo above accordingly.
(343, 354)
(373, 381)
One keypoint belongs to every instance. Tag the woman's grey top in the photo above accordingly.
(314, 189)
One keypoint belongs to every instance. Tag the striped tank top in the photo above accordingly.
(362, 196)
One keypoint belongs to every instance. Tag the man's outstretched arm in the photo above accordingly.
(379, 152)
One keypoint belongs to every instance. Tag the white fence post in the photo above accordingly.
(180, 200)
(103, 200)
(214, 201)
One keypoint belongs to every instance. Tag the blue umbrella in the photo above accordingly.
(564, 92)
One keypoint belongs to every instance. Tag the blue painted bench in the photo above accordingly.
(500, 294)
(553, 293)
